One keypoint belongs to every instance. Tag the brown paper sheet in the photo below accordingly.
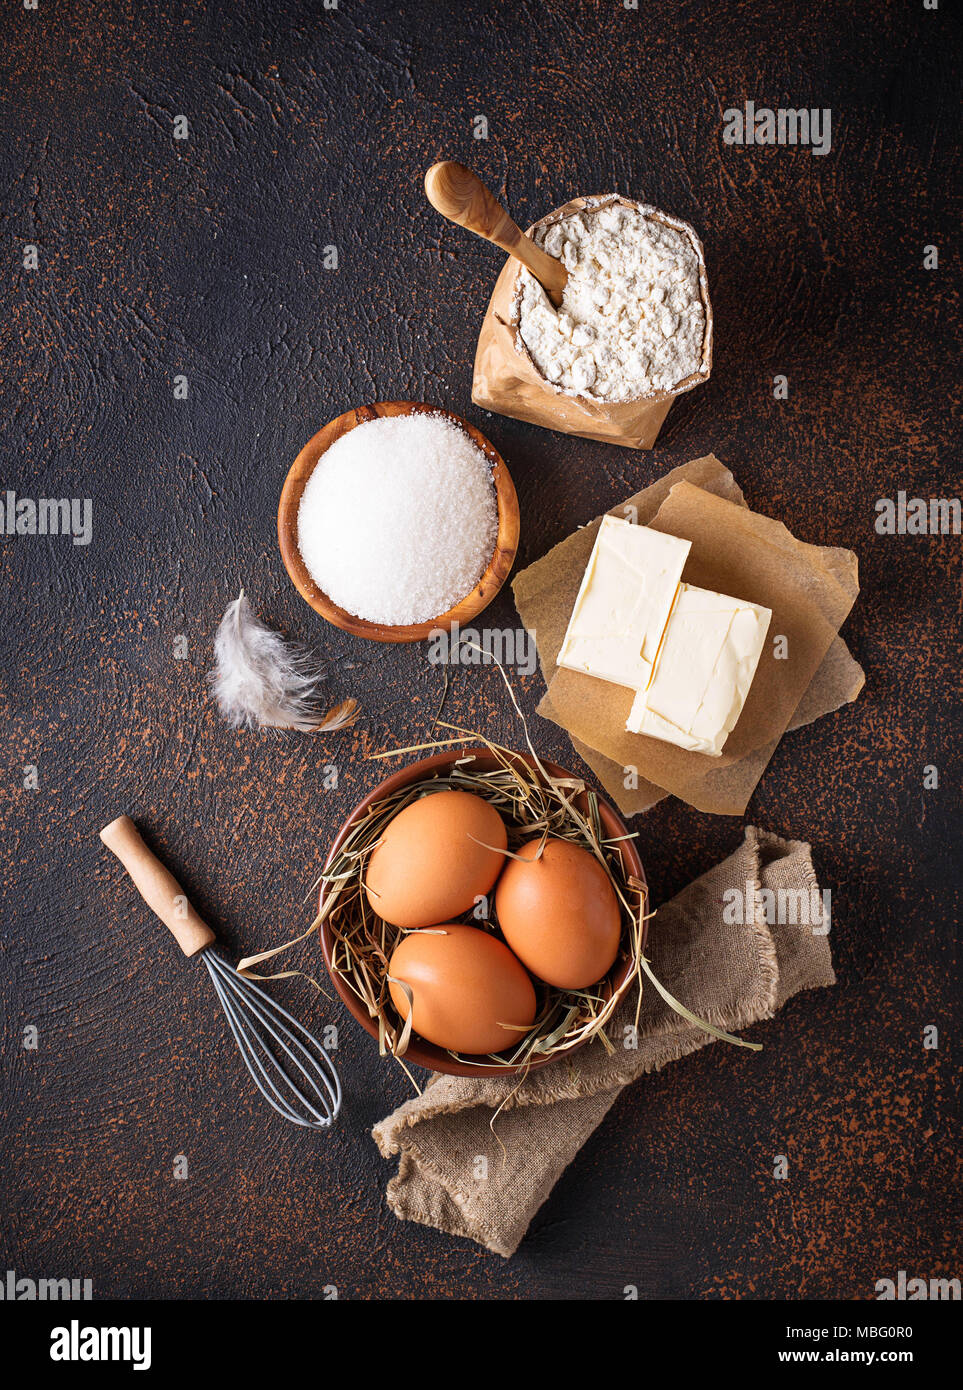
(507, 381)
(546, 591)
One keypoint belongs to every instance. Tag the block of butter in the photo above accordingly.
(709, 654)
(624, 603)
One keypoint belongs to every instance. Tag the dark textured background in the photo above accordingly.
(157, 257)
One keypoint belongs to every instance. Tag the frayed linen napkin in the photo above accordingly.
(456, 1175)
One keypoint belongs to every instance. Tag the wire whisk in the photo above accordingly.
(315, 1100)
(289, 1066)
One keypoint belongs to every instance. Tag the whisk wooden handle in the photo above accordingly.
(157, 886)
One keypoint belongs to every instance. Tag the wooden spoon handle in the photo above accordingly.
(157, 886)
(460, 195)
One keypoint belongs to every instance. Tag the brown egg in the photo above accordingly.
(465, 985)
(559, 914)
(432, 863)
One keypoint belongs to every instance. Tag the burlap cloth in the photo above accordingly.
(456, 1175)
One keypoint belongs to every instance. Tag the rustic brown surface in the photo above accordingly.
(204, 257)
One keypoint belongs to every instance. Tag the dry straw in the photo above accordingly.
(531, 801)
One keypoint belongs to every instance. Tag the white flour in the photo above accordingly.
(632, 321)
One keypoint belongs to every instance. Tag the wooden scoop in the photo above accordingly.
(460, 195)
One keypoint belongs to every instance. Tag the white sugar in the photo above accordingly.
(398, 520)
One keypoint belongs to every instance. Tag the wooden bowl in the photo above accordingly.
(494, 576)
(421, 1052)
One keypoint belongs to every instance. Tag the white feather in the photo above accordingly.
(259, 679)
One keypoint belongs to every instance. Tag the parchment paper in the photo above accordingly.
(507, 381)
(819, 586)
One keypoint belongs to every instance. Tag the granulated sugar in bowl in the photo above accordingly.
(398, 520)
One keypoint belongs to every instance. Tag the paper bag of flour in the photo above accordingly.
(507, 380)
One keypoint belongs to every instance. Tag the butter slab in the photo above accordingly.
(623, 603)
(709, 655)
